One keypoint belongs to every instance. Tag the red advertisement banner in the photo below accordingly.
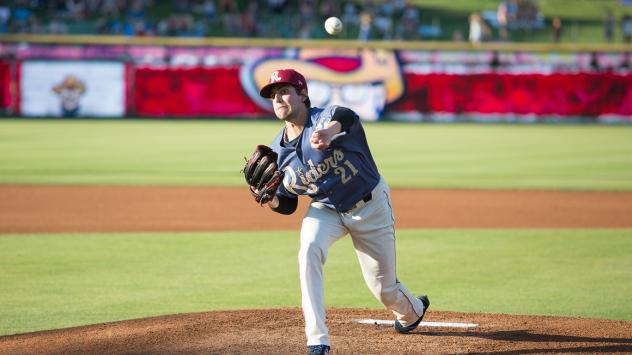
(191, 92)
(5, 85)
(218, 92)
(578, 94)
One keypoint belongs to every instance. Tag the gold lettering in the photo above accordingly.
(343, 174)
(338, 156)
(312, 175)
(330, 163)
(353, 169)
(291, 185)
(302, 177)
(322, 169)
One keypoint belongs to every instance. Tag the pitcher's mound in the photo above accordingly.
(280, 331)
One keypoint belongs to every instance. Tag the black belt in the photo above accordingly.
(365, 199)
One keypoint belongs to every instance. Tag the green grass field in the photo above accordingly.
(591, 157)
(59, 280)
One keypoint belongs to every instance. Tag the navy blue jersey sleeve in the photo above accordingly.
(326, 115)
(287, 205)
(346, 117)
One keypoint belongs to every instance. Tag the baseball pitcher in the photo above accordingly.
(323, 153)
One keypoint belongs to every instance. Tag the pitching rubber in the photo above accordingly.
(390, 323)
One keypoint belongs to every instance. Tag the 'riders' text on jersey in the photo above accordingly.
(339, 176)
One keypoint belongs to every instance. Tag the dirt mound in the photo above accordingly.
(280, 331)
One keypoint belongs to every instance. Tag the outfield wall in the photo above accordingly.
(100, 77)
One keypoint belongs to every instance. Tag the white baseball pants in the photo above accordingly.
(371, 226)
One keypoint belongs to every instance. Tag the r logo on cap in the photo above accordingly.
(275, 77)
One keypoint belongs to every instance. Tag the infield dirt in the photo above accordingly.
(39, 209)
(46, 208)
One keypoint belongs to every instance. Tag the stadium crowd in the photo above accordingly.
(363, 19)
(256, 18)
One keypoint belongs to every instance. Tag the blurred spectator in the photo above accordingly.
(177, 25)
(400, 6)
(350, 14)
(329, 8)
(92, 7)
(206, 9)
(387, 8)
(76, 9)
(626, 28)
(512, 11)
(608, 26)
(249, 20)
(369, 7)
(5, 14)
(306, 19)
(383, 25)
(487, 31)
(515, 14)
(277, 6)
(502, 18)
(20, 17)
(409, 23)
(57, 25)
(231, 21)
(556, 29)
(476, 28)
(136, 11)
(528, 15)
(110, 8)
(181, 5)
(365, 26)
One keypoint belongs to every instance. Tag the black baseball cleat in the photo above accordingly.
(409, 328)
(317, 349)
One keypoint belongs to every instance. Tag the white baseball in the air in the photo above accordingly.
(333, 25)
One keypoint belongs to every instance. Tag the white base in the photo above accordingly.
(391, 323)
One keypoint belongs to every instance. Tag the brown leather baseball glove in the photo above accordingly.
(262, 174)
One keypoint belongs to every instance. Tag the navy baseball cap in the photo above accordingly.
(284, 76)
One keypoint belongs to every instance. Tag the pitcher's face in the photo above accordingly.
(286, 102)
